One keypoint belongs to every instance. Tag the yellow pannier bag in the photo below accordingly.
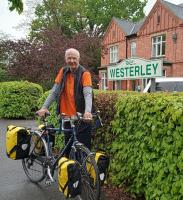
(69, 177)
(102, 161)
(17, 142)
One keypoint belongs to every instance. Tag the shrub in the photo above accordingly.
(144, 135)
(2, 74)
(53, 118)
(147, 151)
(19, 99)
(105, 102)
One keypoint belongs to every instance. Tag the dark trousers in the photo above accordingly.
(83, 134)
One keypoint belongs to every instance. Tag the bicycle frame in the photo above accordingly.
(72, 139)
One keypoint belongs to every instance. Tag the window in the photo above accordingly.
(104, 80)
(113, 54)
(164, 72)
(117, 85)
(158, 46)
(133, 49)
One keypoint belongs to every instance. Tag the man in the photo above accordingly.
(73, 92)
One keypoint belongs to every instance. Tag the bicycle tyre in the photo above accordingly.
(90, 187)
(36, 157)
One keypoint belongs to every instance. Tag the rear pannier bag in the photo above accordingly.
(69, 177)
(17, 142)
(102, 161)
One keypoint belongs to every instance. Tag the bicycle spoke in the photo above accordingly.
(34, 165)
(89, 173)
(35, 170)
(89, 191)
(34, 160)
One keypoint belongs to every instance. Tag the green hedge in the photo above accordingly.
(144, 135)
(148, 149)
(19, 99)
(105, 102)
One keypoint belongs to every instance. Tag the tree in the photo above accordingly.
(73, 16)
(27, 15)
(3, 57)
(16, 5)
(39, 61)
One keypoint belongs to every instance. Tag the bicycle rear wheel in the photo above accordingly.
(34, 165)
(89, 172)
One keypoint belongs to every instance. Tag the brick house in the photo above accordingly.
(158, 36)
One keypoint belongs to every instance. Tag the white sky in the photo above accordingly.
(9, 20)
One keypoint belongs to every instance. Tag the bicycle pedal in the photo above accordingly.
(49, 182)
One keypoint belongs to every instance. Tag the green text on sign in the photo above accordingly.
(135, 68)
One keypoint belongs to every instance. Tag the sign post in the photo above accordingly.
(135, 68)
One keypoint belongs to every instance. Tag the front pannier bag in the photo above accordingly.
(69, 178)
(17, 142)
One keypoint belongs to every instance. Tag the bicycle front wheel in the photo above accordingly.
(34, 166)
(89, 172)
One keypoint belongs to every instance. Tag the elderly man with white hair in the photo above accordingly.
(73, 92)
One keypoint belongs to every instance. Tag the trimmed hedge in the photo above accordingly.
(19, 99)
(105, 102)
(148, 149)
(144, 135)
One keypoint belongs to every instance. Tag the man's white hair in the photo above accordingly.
(72, 50)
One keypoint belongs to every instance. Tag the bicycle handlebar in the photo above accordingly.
(78, 116)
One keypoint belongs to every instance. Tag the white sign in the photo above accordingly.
(136, 68)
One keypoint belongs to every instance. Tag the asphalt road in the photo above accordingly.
(14, 185)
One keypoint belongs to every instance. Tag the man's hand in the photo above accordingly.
(87, 116)
(42, 112)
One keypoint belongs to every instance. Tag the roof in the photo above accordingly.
(129, 27)
(137, 26)
(176, 9)
(125, 25)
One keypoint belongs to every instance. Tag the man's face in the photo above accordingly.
(72, 59)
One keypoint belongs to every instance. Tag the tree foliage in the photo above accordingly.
(72, 16)
(39, 61)
(3, 58)
(16, 5)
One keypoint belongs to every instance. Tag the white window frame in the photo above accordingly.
(118, 85)
(113, 52)
(164, 72)
(157, 41)
(104, 80)
(133, 48)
